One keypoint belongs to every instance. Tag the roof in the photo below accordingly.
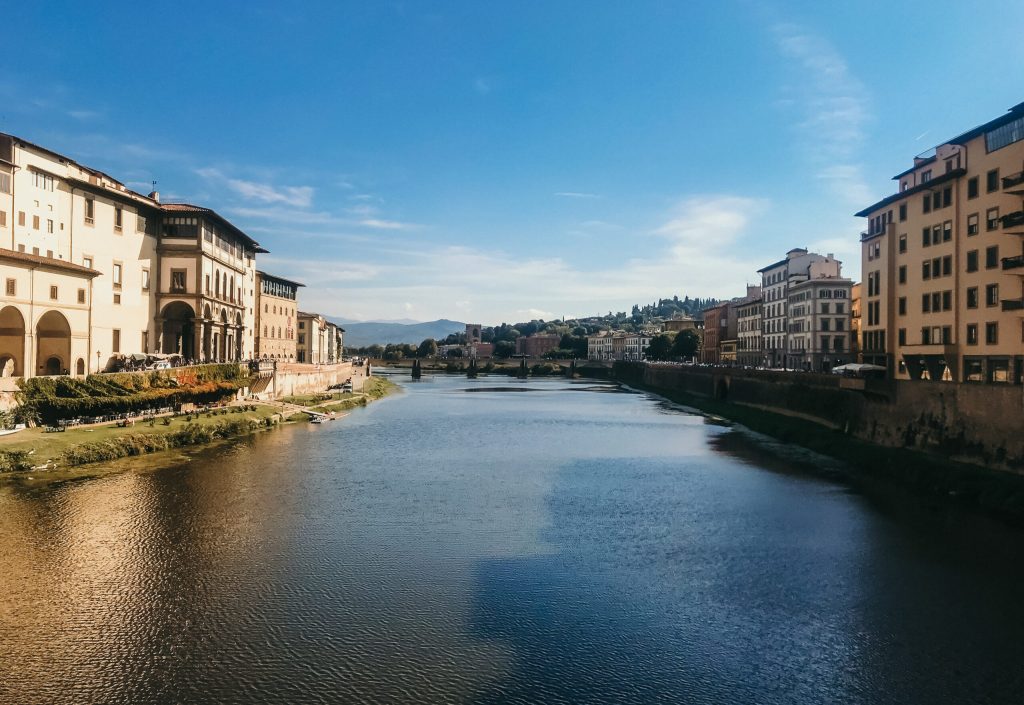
(926, 186)
(47, 262)
(773, 266)
(267, 275)
(209, 212)
(1012, 114)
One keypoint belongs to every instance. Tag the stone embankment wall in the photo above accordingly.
(296, 378)
(982, 424)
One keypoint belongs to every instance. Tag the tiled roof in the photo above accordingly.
(49, 262)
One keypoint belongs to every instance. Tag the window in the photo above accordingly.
(11, 287)
(117, 299)
(90, 211)
(936, 266)
(992, 295)
(947, 265)
(1004, 135)
(992, 257)
(947, 300)
(824, 307)
(35, 222)
(837, 344)
(972, 224)
(3, 219)
(901, 336)
(145, 341)
(972, 333)
(927, 204)
(115, 340)
(947, 231)
(972, 261)
(926, 269)
(117, 275)
(926, 176)
(972, 187)
(903, 243)
(926, 336)
(991, 333)
(145, 280)
(972, 297)
(5, 182)
(902, 303)
(926, 303)
(936, 200)
(947, 196)
(936, 302)
(87, 261)
(839, 324)
(936, 234)
(21, 218)
(178, 281)
(140, 223)
(903, 274)
(992, 181)
(926, 237)
(824, 324)
(903, 212)
(43, 181)
(992, 218)
(81, 296)
(118, 219)
(53, 293)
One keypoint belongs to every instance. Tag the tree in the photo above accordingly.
(504, 349)
(428, 348)
(660, 347)
(685, 344)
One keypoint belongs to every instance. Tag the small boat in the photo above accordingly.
(316, 419)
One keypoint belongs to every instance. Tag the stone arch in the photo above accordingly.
(53, 344)
(178, 332)
(12, 342)
(80, 367)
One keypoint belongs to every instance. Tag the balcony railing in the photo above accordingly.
(1013, 220)
(1013, 305)
(1013, 262)
(1014, 180)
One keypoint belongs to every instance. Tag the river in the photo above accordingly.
(502, 541)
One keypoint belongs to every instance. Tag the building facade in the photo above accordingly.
(276, 317)
(537, 345)
(776, 279)
(943, 262)
(819, 320)
(599, 347)
(748, 333)
(716, 329)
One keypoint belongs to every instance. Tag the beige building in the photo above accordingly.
(943, 261)
(276, 317)
(206, 286)
(748, 332)
(313, 343)
(599, 347)
(84, 290)
(92, 269)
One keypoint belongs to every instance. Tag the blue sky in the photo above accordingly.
(500, 161)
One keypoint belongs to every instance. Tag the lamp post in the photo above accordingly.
(97, 362)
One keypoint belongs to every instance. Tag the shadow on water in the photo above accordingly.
(695, 585)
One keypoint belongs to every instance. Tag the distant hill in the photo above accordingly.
(358, 335)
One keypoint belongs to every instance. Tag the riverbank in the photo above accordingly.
(37, 452)
(870, 465)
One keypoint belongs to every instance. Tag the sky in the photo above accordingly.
(490, 162)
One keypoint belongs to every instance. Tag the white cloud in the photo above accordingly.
(380, 224)
(297, 196)
(701, 247)
(834, 107)
(576, 194)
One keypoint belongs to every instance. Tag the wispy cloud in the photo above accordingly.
(482, 85)
(380, 224)
(297, 196)
(834, 107)
(576, 194)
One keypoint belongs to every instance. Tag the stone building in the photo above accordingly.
(819, 318)
(276, 317)
(749, 333)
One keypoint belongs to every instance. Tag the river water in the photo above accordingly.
(493, 541)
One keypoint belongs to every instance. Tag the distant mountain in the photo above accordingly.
(358, 335)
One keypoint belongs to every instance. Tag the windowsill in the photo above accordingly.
(118, 230)
(90, 221)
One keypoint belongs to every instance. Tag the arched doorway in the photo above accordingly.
(12, 342)
(80, 367)
(178, 329)
(53, 344)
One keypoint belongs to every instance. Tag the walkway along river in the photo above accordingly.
(497, 540)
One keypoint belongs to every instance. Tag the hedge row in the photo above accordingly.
(51, 409)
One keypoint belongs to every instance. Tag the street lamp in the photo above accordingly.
(97, 362)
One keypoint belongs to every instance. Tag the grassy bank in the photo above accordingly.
(34, 447)
(875, 466)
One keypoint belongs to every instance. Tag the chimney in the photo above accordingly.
(831, 256)
(155, 195)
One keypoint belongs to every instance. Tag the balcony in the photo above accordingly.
(1014, 183)
(1014, 263)
(1014, 222)
(1013, 304)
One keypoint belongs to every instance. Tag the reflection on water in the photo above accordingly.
(492, 547)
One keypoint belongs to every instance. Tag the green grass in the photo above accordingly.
(54, 446)
(379, 387)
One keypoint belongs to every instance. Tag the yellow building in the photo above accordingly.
(276, 317)
(943, 261)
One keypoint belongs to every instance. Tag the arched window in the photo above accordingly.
(216, 283)
(264, 330)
